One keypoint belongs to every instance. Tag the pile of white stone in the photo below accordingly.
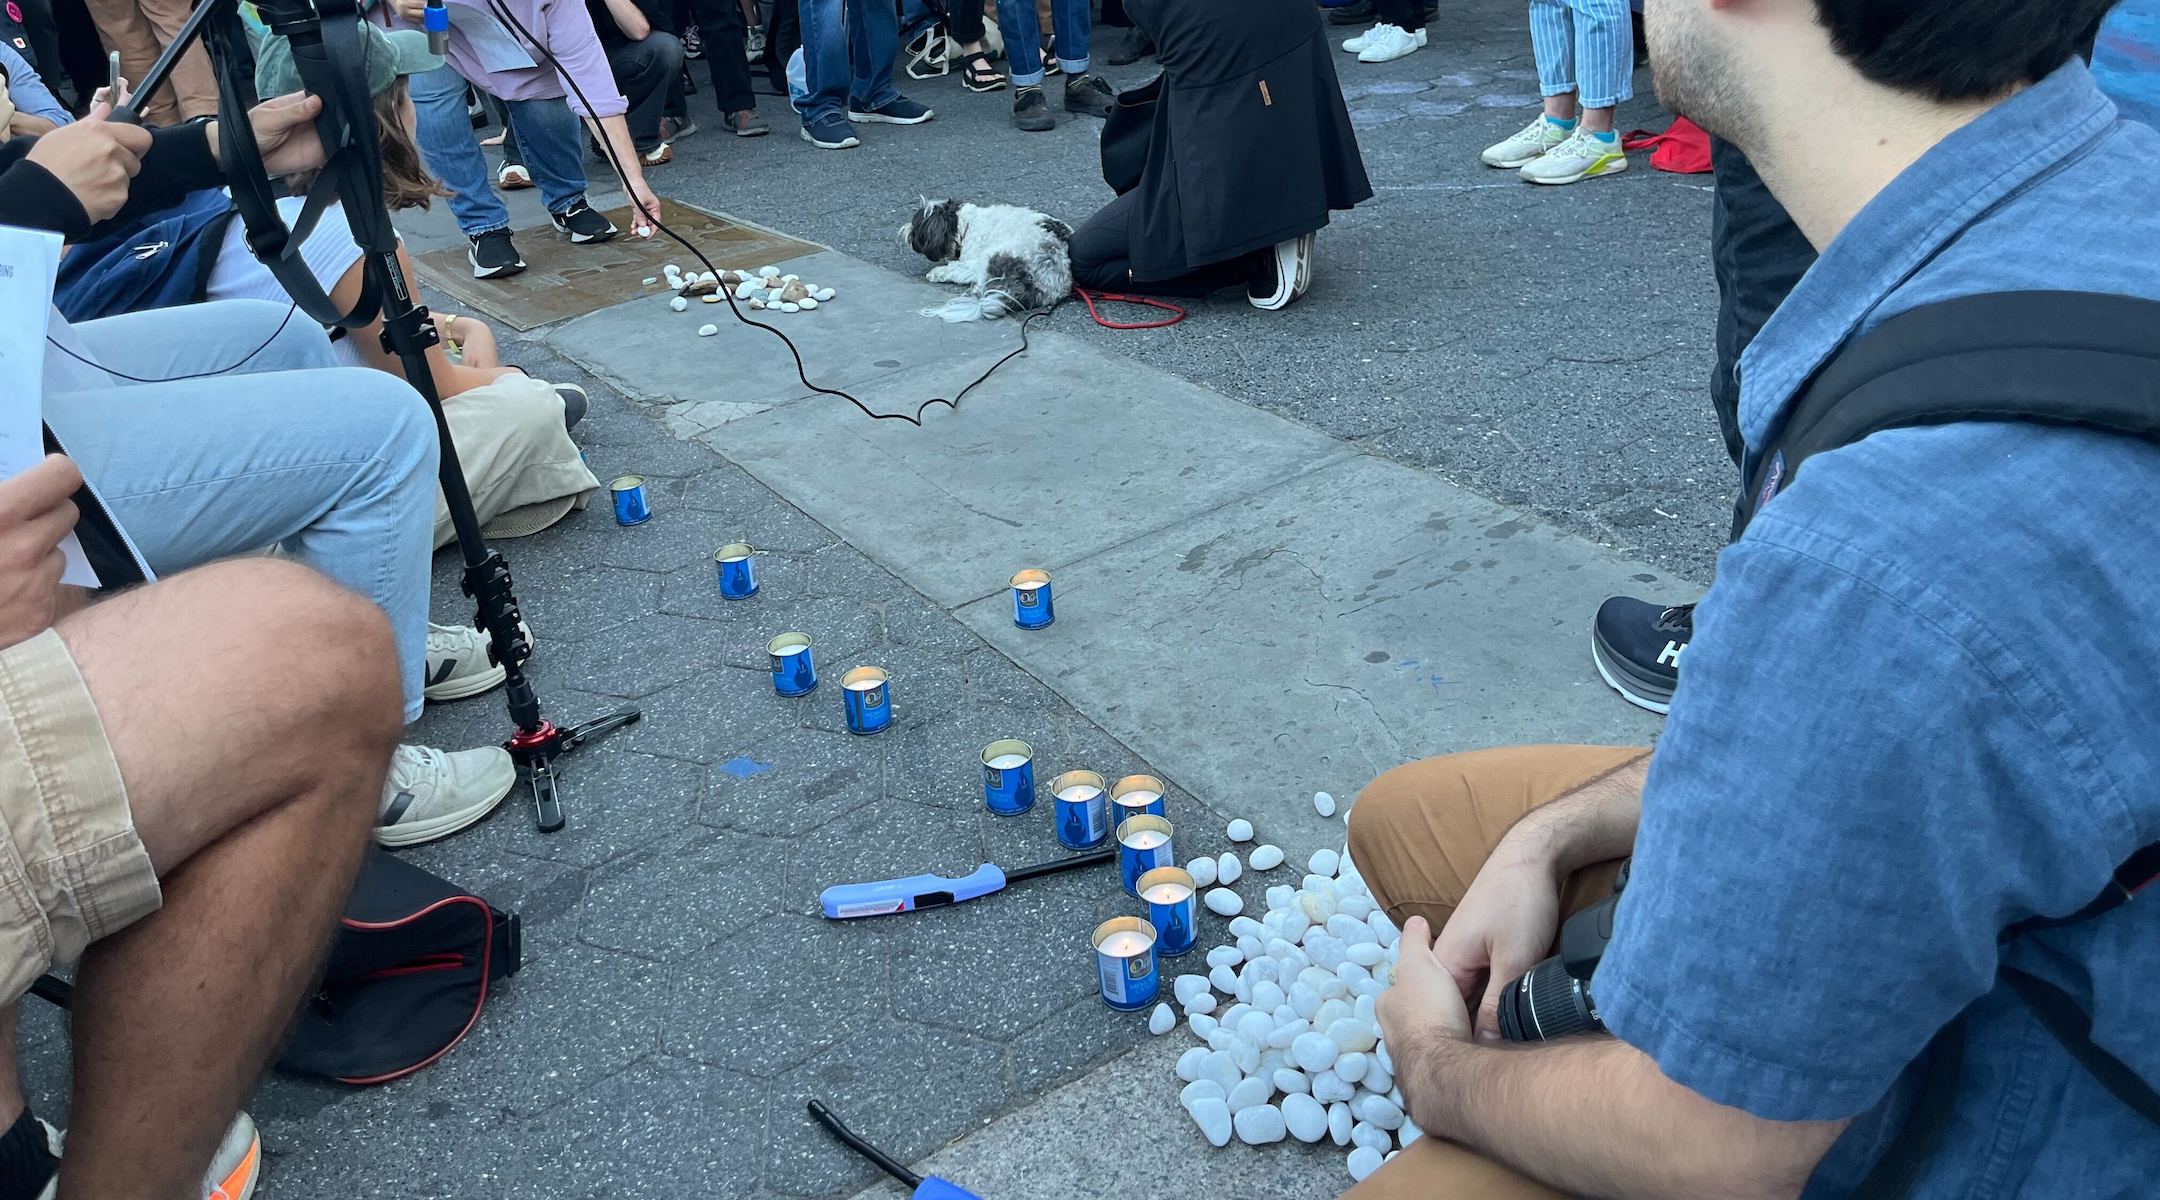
(1292, 1045)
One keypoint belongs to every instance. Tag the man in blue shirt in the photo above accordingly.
(1925, 705)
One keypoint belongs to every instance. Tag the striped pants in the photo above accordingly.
(1586, 46)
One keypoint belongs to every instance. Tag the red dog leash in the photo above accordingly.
(1089, 298)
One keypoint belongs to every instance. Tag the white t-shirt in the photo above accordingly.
(329, 251)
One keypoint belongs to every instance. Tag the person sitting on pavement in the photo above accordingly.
(531, 82)
(1266, 170)
(848, 55)
(1585, 52)
(1073, 22)
(1916, 738)
(205, 441)
(28, 108)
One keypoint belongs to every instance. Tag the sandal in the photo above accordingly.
(979, 75)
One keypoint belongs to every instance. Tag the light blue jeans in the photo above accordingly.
(1022, 29)
(548, 137)
(848, 56)
(336, 465)
(1585, 46)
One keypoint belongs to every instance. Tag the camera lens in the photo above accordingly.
(1546, 1003)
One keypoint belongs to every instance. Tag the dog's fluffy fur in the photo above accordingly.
(1011, 259)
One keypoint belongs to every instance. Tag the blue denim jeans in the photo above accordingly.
(848, 57)
(1069, 19)
(335, 465)
(548, 136)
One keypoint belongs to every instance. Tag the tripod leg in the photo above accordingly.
(578, 735)
(539, 776)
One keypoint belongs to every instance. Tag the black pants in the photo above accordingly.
(1403, 14)
(650, 76)
(1759, 255)
(721, 23)
(1102, 260)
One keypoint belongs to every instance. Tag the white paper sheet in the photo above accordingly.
(497, 48)
(29, 265)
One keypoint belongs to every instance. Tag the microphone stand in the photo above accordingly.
(329, 52)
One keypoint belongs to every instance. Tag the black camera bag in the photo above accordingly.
(2080, 359)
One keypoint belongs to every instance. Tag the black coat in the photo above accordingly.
(1242, 142)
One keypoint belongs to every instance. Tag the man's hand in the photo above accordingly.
(412, 10)
(94, 158)
(1423, 1007)
(1504, 926)
(35, 514)
(641, 196)
(285, 133)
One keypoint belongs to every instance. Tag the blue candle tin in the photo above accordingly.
(1083, 809)
(868, 696)
(1125, 963)
(1137, 796)
(793, 672)
(1031, 599)
(630, 506)
(1171, 897)
(1143, 845)
(1008, 777)
(737, 573)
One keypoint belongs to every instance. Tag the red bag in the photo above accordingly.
(1683, 149)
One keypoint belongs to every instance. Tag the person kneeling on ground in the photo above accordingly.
(1246, 125)
(186, 786)
(1859, 938)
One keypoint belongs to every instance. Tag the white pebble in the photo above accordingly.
(1408, 1134)
(1240, 830)
(789, 278)
(1304, 1116)
(650, 280)
(1353, 1034)
(1268, 995)
(1331, 1010)
(1250, 948)
(1224, 979)
(1377, 1111)
(1339, 1122)
(1356, 904)
(1369, 1135)
(1267, 858)
(1227, 868)
(791, 306)
(1351, 1067)
(1201, 1023)
(1363, 1161)
(1221, 1068)
(1318, 906)
(1323, 862)
(824, 295)
(1366, 1009)
(1187, 988)
(1161, 1021)
(1380, 1055)
(1379, 1079)
(1219, 1038)
(1271, 1061)
(1213, 1118)
(1366, 954)
(745, 290)
(1224, 956)
(1234, 1015)
(707, 330)
(1188, 1063)
(1281, 899)
(1254, 1027)
(1198, 1090)
(1323, 804)
(1260, 1126)
(807, 302)
(1286, 1033)
(1202, 871)
(1201, 1005)
(1245, 1055)
(768, 271)
(1314, 1053)
(1250, 1093)
(1304, 999)
(1287, 1080)
(678, 304)
(1328, 1088)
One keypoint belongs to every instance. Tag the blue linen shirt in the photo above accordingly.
(1923, 703)
(27, 91)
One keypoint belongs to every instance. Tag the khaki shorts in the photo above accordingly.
(71, 868)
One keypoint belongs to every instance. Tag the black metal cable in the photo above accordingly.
(245, 360)
(854, 1141)
(503, 14)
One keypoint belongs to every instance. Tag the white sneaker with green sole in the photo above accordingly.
(1528, 145)
(1576, 159)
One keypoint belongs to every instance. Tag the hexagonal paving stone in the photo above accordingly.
(888, 840)
(615, 801)
(794, 783)
(995, 965)
(771, 996)
(715, 716)
(665, 1128)
(684, 893)
(694, 591)
(1075, 1040)
(585, 601)
(642, 657)
(926, 684)
(939, 762)
(907, 1088)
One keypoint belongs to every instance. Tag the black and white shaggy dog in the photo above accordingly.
(1011, 259)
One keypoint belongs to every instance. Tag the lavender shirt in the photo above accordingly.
(564, 27)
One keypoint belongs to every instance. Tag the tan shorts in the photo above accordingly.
(71, 868)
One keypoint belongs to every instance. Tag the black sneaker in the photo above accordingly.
(1131, 49)
(1637, 647)
(1360, 13)
(494, 255)
(583, 223)
(1031, 110)
(1089, 96)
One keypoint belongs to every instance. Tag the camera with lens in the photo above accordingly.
(1553, 1000)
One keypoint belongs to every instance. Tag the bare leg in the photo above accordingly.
(11, 1096)
(1598, 120)
(1562, 108)
(255, 805)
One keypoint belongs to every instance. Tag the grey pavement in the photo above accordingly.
(1290, 550)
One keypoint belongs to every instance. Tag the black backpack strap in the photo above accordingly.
(2072, 1026)
(2061, 358)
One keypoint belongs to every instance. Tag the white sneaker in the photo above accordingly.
(1578, 158)
(513, 178)
(458, 666)
(1292, 277)
(432, 795)
(1357, 44)
(1386, 43)
(1535, 139)
(234, 1169)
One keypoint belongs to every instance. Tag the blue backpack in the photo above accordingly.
(162, 260)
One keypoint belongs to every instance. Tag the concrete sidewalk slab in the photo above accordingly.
(872, 328)
(1064, 453)
(1316, 633)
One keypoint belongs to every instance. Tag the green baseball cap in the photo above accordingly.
(390, 57)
